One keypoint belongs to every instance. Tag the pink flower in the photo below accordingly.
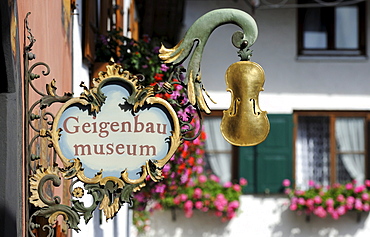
(293, 207)
(349, 186)
(301, 201)
(164, 67)
(294, 199)
(341, 210)
(366, 207)
(234, 204)
(310, 202)
(197, 193)
(320, 212)
(231, 215)
(228, 184)
(359, 189)
(237, 187)
(365, 196)
(196, 141)
(367, 183)
(214, 178)
(183, 197)
(330, 202)
(166, 168)
(286, 182)
(202, 178)
(160, 188)
(311, 183)
(198, 205)
(350, 200)
(335, 215)
(287, 190)
(176, 200)
(317, 199)
(220, 202)
(199, 169)
(358, 204)
(340, 198)
(349, 206)
(188, 205)
(243, 181)
(330, 209)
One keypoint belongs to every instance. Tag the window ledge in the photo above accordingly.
(359, 58)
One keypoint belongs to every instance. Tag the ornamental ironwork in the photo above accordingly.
(65, 149)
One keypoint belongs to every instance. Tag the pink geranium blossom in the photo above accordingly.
(197, 193)
(228, 184)
(243, 181)
(286, 182)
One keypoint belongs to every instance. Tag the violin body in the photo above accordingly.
(244, 124)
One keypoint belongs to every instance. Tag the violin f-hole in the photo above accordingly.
(254, 106)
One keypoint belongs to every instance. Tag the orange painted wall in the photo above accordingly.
(51, 25)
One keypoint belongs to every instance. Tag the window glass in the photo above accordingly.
(329, 148)
(312, 151)
(346, 27)
(350, 140)
(315, 34)
(218, 150)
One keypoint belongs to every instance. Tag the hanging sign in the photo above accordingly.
(116, 138)
(115, 133)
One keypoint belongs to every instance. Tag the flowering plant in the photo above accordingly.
(186, 184)
(138, 57)
(333, 200)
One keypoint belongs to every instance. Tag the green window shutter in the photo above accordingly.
(267, 164)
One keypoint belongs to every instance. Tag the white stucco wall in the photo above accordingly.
(261, 216)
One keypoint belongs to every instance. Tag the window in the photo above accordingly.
(265, 166)
(218, 151)
(102, 16)
(331, 31)
(330, 147)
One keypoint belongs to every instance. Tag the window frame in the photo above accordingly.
(333, 148)
(331, 51)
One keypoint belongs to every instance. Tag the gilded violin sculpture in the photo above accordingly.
(244, 124)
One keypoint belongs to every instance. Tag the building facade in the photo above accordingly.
(315, 57)
(316, 66)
